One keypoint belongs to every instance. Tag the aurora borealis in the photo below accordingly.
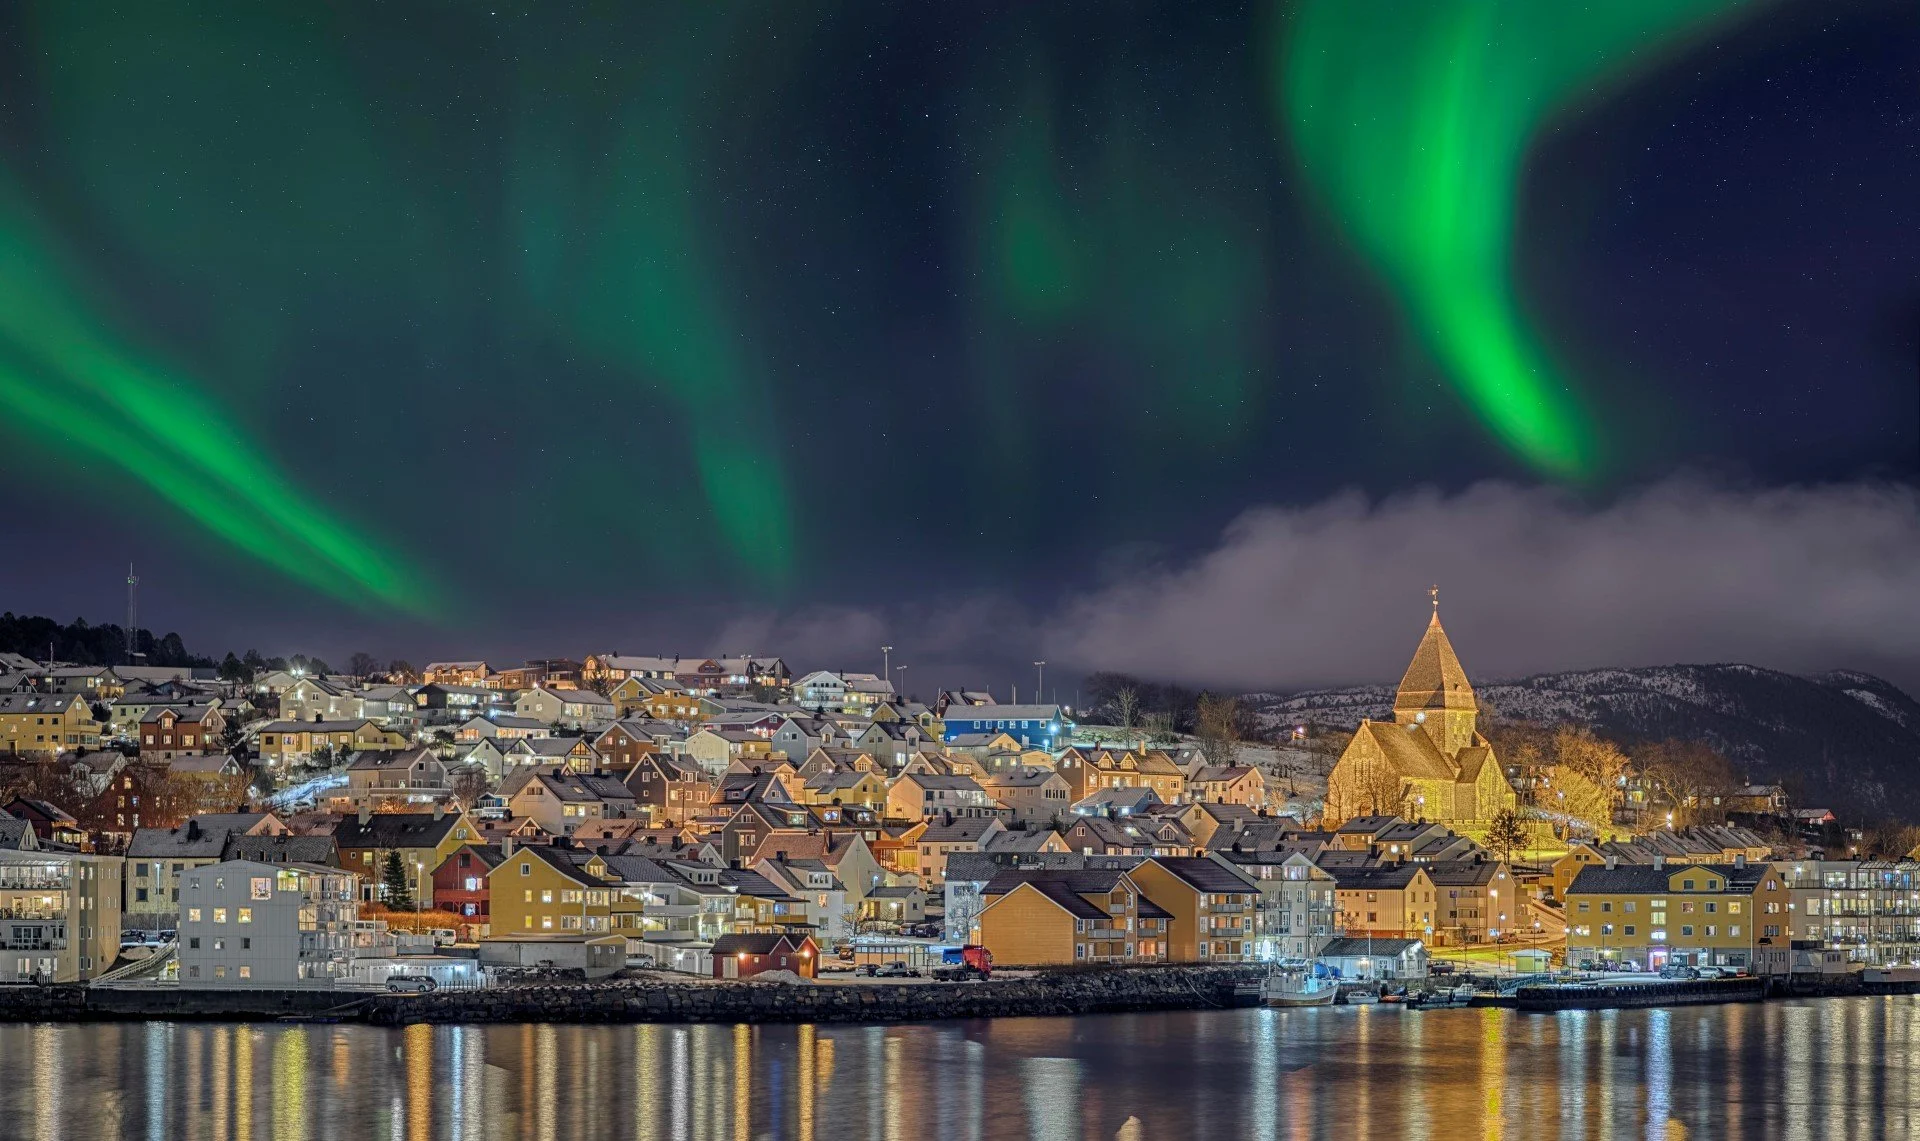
(412, 313)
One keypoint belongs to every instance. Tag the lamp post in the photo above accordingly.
(886, 661)
(1039, 683)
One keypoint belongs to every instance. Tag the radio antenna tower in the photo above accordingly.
(133, 615)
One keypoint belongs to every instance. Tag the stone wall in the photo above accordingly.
(665, 1000)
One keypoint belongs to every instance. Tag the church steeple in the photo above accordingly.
(1435, 692)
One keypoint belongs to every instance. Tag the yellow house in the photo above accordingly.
(424, 840)
(1394, 901)
(1212, 906)
(539, 891)
(47, 723)
(1698, 914)
(868, 789)
(1051, 917)
(286, 742)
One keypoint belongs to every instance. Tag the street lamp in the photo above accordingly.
(1039, 683)
(886, 661)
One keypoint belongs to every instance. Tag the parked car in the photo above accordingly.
(1678, 971)
(1711, 973)
(444, 936)
(898, 969)
(411, 984)
(866, 970)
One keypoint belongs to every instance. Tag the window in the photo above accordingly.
(219, 915)
(1583, 907)
(193, 916)
(245, 915)
(1686, 929)
(246, 972)
(1628, 929)
(193, 944)
(526, 869)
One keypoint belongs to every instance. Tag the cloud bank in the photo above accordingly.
(1799, 579)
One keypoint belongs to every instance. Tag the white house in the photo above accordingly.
(572, 708)
(247, 924)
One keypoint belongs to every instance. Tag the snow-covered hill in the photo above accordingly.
(1845, 740)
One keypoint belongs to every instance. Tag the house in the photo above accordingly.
(815, 884)
(752, 821)
(1378, 958)
(732, 676)
(1043, 725)
(316, 699)
(668, 790)
(716, 749)
(1054, 917)
(447, 703)
(867, 789)
(1479, 901)
(169, 731)
(501, 726)
(893, 742)
(1296, 907)
(1142, 836)
(460, 885)
(1213, 905)
(922, 796)
(456, 673)
(281, 926)
(568, 708)
(798, 736)
(1394, 900)
(156, 857)
(893, 909)
(1117, 802)
(744, 956)
(52, 824)
(1030, 794)
(944, 835)
(539, 890)
(303, 742)
(845, 854)
(95, 683)
(1696, 914)
(575, 753)
(623, 743)
(1228, 784)
(60, 909)
(415, 775)
(561, 800)
(41, 724)
(1089, 770)
(421, 839)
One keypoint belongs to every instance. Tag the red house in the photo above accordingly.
(460, 885)
(744, 956)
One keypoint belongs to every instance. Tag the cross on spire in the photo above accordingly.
(1434, 592)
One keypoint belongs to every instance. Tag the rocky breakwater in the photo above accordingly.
(663, 999)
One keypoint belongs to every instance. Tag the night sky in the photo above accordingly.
(982, 329)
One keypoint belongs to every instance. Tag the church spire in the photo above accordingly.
(1435, 691)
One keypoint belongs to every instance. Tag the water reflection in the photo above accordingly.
(1808, 1070)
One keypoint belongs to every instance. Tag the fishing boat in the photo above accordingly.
(1285, 989)
(1362, 997)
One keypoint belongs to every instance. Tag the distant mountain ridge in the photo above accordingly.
(1844, 740)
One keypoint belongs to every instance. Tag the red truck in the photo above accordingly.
(962, 963)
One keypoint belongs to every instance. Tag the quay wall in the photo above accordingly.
(657, 999)
(1605, 996)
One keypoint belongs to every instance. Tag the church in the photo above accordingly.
(1430, 762)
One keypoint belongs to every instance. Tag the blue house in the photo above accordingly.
(1042, 726)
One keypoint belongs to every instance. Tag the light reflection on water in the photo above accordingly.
(1816, 1069)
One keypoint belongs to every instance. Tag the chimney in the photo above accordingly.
(193, 829)
(439, 809)
(1659, 861)
(366, 815)
(1740, 860)
(506, 846)
(1611, 862)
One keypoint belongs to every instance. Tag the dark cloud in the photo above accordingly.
(1796, 578)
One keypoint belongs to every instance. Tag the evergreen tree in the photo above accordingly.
(394, 884)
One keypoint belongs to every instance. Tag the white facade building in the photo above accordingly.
(246, 924)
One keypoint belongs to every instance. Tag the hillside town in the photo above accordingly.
(722, 818)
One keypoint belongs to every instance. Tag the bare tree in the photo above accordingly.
(363, 665)
(469, 783)
(1218, 722)
(1126, 706)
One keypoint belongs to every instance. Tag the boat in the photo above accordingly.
(1286, 989)
(1362, 998)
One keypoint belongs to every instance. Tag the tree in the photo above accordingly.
(401, 672)
(363, 665)
(1889, 839)
(395, 889)
(1506, 833)
(1580, 799)
(235, 670)
(469, 783)
(1689, 774)
(1218, 721)
(1126, 708)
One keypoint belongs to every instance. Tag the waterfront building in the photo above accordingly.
(1049, 917)
(1212, 905)
(422, 839)
(249, 924)
(461, 886)
(538, 890)
(1363, 958)
(156, 857)
(1389, 900)
(1294, 915)
(746, 955)
(1697, 914)
(1851, 911)
(59, 911)
(1431, 762)
(1477, 901)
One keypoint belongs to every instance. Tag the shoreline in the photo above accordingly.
(661, 1000)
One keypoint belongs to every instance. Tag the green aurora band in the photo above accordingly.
(1413, 117)
(63, 377)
